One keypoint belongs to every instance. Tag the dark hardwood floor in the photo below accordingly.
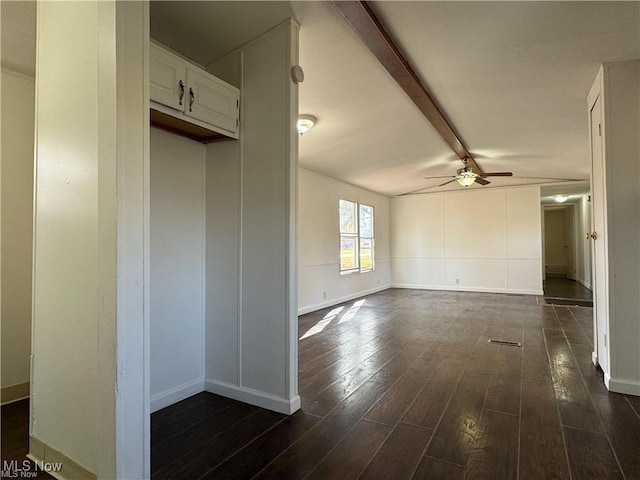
(404, 384)
(15, 442)
(561, 287)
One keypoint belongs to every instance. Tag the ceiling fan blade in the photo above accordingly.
(482, 181)
(447, 183)
(497, 174)
(443, 176)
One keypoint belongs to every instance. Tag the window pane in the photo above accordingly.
(347, 217)
(348, 253)
(366, 221)
(366, 254)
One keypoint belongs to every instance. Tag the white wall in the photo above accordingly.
(66, 235)
(555, 254)
(18, 111)
(319, 281)
(475, 240)
(622, 156)
(177, 268)
(251, 325)
(89, 402)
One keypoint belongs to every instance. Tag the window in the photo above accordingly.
(356, 237)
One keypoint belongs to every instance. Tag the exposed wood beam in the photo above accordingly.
(370, 30)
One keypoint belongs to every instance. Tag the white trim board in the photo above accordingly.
(459, 288)
(176, 394)
(253, 397)
(337, 301)
(583, 283)
(622, 385)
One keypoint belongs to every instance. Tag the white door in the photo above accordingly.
(569, 241)
(600, 276)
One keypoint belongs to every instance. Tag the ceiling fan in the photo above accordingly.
(470, 174)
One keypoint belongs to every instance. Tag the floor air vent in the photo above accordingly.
(506, 342)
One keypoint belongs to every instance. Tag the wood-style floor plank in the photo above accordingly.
(496, 451)
(429, 405)
(542, 451)
(351, 456)
(393, 405)
(301, 458)
(178, 417)
(168, 449)
(433, 469)
(458, 432)
(590, 455)
(634, 401)
(623, 429)
(207, 455)
(251, 459)
(400, 454)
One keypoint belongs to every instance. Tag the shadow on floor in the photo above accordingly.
(560, 287)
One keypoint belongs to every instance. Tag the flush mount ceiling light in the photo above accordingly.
(306, 123)
(466, 177)
(560, 198)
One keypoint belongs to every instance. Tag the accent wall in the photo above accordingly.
(470, 240)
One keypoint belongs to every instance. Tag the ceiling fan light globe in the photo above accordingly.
(466, 181)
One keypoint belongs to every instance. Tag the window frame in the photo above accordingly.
(356, 237)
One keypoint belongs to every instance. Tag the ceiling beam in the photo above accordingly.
(362, 19)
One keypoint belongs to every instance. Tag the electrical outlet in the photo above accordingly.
(324, 295)
(378, 281)
(457, 281)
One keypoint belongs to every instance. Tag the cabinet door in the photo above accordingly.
(211, 100)
(167, 75)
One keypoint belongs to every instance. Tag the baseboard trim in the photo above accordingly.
(583, 283)
(337, 301)
(622, 385)
(253, 397)
(175, 395)
(459, 288)
(14, 393)
(56, 463)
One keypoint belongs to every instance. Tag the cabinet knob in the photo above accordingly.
(181, 85)
(594, 235)
(192, 99)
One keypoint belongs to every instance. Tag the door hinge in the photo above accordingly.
(605, 340)
(599, 129)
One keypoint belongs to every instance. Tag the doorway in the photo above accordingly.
(566, 252)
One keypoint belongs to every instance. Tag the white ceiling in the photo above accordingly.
(512, 76)
(573, 191)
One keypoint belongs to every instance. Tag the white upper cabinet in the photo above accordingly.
(167, 74)
(211, 100)
(191, 96)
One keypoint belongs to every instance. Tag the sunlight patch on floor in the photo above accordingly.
(326, 320)
(352, 311)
